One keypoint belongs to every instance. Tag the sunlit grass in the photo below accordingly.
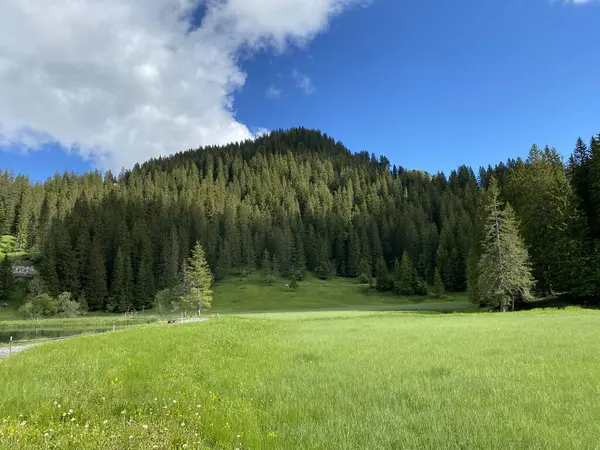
(328, 380)
(250, 295)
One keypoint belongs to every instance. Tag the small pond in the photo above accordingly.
(22, 335)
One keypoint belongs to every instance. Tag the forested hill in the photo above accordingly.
(292, 200)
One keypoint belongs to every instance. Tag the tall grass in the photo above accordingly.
(329, 380)
(79, 323)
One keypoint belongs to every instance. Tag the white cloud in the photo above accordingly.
(260, 132)
(273, 92)
(303, 82)
(121, 81)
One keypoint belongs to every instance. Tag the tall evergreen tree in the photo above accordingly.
(438, 284)
(95, 277)
(197, 283)
(504, 271)
(6, 278)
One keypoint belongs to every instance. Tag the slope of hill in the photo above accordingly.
(288, 202)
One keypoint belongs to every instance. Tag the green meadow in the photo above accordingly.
(320, 380)
(235, 295)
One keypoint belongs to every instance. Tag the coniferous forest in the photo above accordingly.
(297, 201)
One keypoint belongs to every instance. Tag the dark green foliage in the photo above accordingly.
(293, 282)
(95, 278)
(438, 285)
(6, 278)
(268, 277)
(324, 270)
(406, 278)
(311, 204)
(383, 281)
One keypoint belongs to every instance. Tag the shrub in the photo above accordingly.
(384, 283)
(67, 307)
(364, 278)
(325, 271)
(41, 306)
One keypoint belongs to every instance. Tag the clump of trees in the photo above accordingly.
(44, 306)
(308, 203)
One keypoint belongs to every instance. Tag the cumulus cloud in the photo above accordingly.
(303, 82)
(120, 81)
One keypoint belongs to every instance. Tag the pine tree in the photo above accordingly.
(504, 271)
(293, 281)
(6, 278)
(405, 276)
(197, 283)
(438, 284)
(144, 291)
(119, 295)
(353, 268)
(299, 260)
(543, 199)
(48, 270)
(267, 269)
(95, 278)
(383, 276)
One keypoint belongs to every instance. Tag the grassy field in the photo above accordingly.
(249, 295)
(7, 247)
(325, 380)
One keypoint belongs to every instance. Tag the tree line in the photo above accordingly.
(297, 200)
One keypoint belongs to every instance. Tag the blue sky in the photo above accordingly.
(431, 85)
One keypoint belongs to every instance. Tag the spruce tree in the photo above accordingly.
(144, 291)
(197, 283)
(406, 277)
(353, 268)
(383, 276)
(118, 287)
(95, 277)
(438, 284)
(6, 278)
(504, 270)
(267, 269)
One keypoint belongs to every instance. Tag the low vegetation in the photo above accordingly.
(80, 323)
(313, 381)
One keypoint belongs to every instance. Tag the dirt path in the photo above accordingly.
(5, 351)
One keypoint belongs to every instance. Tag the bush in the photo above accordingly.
(244, 273)
(165, 301)
(324, 271)
(300, 273)
(44, 305)
(269, 280)
(364, 278)
(68, 307)
(405, 289)
(41, 306)
(384, 283)
(421, 288)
